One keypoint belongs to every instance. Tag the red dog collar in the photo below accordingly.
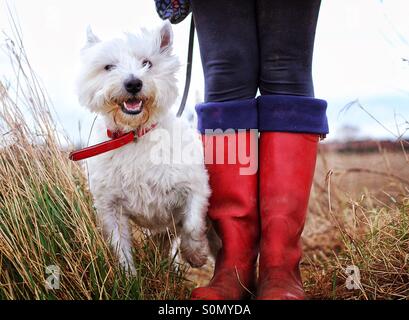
(119, 139)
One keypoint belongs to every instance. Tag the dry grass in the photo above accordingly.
(359, 216)
(46, 212)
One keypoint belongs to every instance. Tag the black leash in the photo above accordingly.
(189, 69)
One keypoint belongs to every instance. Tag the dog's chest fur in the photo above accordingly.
(153, 194)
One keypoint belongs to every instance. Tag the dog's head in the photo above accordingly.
(130, 80)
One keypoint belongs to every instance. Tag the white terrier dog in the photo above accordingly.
(131, 83)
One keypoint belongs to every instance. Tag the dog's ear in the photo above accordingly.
(92, 39)
(166, 34)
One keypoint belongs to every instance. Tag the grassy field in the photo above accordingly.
(359, 216)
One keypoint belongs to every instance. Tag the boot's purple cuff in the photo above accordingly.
(239, 114)
(280, 113)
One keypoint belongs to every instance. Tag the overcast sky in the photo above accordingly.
(359, 49)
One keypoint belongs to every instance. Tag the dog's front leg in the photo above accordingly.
(194, 246)
(116, 229)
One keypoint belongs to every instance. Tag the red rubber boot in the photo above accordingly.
(233, 212)
(287, 165)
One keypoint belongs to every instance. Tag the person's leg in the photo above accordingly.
(291, 121)
(228, 44)
(234, 215)
(286, 35)
(227, 34)
(287, 165)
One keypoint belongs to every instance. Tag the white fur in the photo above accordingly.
(126, 183)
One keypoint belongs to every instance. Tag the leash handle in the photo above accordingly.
(189, 68)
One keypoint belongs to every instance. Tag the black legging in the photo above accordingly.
(248, 45)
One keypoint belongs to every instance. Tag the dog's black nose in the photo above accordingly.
(133, 85)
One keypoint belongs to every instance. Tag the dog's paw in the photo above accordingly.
(128, 267)
(196, 255)
(196, 260)
(131, 271)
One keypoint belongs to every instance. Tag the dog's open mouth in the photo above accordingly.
(133, 106)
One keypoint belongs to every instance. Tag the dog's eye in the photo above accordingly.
(109, 67)
(147, 63)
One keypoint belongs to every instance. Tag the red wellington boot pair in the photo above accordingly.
(260, 214)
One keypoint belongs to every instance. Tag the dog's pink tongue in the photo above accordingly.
(133, 105)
